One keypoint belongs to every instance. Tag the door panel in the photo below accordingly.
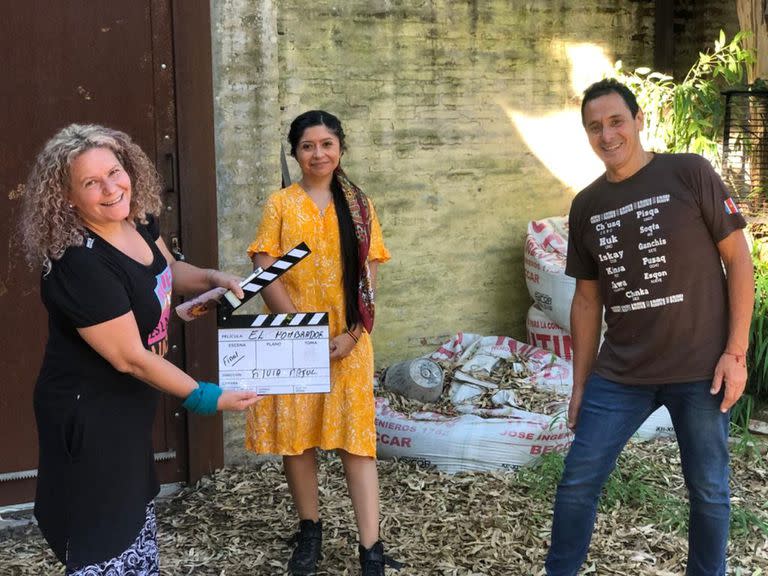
(108, 62)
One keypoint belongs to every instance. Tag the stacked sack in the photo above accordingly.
(548, 321)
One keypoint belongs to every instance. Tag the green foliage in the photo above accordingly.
(740, 414)
(744, 520)
(687, 116)
(757, 357)
(641, 485)
(541, 479)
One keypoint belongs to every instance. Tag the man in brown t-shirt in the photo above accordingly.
(648, 243)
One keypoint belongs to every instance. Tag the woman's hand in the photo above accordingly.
(217, 278)
(341, 346)
(237, 401)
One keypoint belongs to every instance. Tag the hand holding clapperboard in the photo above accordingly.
(267, 353)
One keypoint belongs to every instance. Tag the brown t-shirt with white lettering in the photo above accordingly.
(651, 242)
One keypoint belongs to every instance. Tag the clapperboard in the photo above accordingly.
(273, 353)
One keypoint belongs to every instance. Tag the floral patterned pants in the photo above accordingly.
(141, 559)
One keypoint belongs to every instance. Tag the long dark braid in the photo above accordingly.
(349, 253)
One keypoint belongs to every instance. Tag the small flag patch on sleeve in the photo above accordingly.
(730, 206)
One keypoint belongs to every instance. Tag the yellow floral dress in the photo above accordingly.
(344, 418)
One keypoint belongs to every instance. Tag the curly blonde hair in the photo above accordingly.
(48, 224)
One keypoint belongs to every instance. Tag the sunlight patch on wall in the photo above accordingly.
(557, 138)
(589, 63)
(558, 141)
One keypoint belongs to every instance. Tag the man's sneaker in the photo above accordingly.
(308, 540)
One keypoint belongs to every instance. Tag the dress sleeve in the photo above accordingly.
(268, 235)
(377, 250)
(85, 289)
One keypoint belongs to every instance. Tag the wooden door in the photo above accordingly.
(110, 62)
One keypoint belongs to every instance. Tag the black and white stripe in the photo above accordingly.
(298, 319)
(260, 279)
(276, 320)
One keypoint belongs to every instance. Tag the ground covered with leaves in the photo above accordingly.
(236, 522)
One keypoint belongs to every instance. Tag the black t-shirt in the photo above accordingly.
(651, 242)
(96, 472)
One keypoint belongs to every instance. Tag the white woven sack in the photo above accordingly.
(468, 442)
(546, 247)
(547, 334)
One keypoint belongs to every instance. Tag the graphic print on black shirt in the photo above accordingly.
(640, 216)
(157, 341)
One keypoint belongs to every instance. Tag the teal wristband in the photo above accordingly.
(204, 399)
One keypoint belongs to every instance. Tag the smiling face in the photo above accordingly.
(318, 152)
(100, 188)
(615, 135)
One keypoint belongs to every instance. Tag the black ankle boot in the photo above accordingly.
(308, 540)
(372, 559)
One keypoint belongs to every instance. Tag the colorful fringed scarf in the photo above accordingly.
(361, 218)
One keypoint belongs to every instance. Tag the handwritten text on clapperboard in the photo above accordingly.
(275, 359)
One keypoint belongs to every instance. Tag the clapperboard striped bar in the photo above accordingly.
(276, 320)
(259, 279)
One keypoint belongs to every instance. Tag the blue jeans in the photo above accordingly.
(610, 414)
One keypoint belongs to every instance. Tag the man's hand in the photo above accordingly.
(573, 409)
(731, 370)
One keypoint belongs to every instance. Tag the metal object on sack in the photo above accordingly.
(419, 379)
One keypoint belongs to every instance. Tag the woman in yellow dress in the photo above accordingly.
(338, 223)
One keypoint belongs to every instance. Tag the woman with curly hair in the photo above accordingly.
(90, 219)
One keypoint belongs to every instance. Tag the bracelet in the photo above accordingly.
(204, 399)
(740, 358)
(352, 335)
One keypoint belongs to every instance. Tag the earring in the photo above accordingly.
(71, 206)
